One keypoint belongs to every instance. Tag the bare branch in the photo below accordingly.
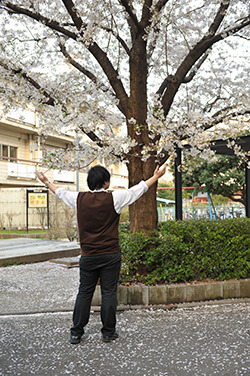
(242, 36)
(209, 106)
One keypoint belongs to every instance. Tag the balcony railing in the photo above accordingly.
(64, 176)
(18, 169)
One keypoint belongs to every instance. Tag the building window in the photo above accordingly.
(4, 151)
(13, 152)
(8, 151)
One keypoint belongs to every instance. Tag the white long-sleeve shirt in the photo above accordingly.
(121, 198)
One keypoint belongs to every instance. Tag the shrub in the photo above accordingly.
(182, 251)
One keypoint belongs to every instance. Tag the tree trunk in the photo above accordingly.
(143, 213)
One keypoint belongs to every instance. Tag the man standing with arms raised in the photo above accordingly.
(98, 213)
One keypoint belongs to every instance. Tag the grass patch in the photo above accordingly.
(23, 232)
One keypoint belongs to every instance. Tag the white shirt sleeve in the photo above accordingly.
(69, 198)
(126, 197)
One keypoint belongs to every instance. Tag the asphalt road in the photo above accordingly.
(203, 340)
(196, 341)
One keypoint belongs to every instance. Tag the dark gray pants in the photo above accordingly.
(107, 268)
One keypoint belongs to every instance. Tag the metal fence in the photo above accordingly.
(202, 212)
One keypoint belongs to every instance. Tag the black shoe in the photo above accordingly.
(110, 338)
(75, 339)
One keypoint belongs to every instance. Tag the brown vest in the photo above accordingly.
(97, 223)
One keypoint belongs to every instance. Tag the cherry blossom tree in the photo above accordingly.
(164, 72)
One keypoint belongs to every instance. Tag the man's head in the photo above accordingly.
(97, 177)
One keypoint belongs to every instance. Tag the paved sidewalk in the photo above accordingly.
(20, 250)
(193, 340)
(39, 287)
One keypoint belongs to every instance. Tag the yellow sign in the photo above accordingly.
(37, 200)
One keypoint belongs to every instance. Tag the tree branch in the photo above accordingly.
(168, 81)
(54, 25)
(102, 58)
(219, 17)
(230, 31)
(146, 13)
(185, 67)
(27, 77)
(111, 74)
(209, 106)
(243, 37)
(93, 137)
(94, 49)
(51, 101)
(73, 62)
(70, 6)
(131, 14)
(120, 40)
(87, 73)
(99, 142)
(220, 115)
(160, 5)
(194, 55)
(195, 68)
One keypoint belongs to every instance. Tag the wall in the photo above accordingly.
(13, 205)
(13, 201)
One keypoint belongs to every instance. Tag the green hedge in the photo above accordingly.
(182, 251)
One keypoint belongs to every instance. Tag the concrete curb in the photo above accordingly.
(143, 295)
(40, 257)
(30, 250)
(122, 308)
(28, 235)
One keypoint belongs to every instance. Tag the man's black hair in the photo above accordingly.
(97, 176)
